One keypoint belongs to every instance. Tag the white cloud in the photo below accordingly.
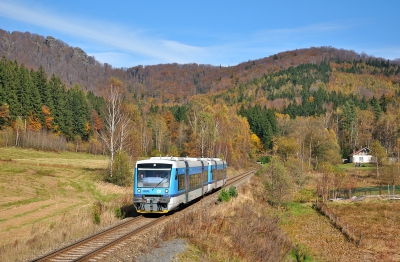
(112, 36)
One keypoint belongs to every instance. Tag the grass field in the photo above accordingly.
(52, 194)
(48, 199)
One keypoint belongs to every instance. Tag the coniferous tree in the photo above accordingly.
(80, 113)
(60, 111)
(9, 86)
(40, 80)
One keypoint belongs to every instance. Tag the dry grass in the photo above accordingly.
(47, 200)
(379, 221)
(244, 229)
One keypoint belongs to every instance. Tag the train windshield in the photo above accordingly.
(157, 175)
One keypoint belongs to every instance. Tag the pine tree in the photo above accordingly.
(61, 112)
(40, 80)
(80, 112)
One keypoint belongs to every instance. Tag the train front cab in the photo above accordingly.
(153, 181)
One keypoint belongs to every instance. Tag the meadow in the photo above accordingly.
(51, 198)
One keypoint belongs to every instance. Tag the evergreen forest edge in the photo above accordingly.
(30, 100)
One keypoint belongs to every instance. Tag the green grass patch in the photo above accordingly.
(22, 202)
(300, 254)
(305, 195)
(76, 185)
(45, 172)
(293, 211)
(298, 209)
(32, 211)
(351, 166)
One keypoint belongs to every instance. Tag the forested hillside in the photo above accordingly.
(167, 83)
(317, 104)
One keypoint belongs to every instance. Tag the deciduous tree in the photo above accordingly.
(115, 119)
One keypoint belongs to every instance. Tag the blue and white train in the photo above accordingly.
(162, 184)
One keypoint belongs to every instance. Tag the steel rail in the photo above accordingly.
(83, 241)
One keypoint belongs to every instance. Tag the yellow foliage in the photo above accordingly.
(34, 123)
(256, 143)
(280, 116)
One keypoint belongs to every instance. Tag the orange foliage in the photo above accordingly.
(48, 118)
(87, 127)
(34, 123)
(97, 123)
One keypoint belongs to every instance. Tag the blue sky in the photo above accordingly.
(126, 33)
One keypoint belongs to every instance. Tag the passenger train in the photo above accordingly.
(162, 184)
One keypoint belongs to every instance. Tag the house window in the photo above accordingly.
(361, 159)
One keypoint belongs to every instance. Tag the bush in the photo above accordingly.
(96, 211)
(232, 191)
(122, 173)
(226, 195)
(264, 159)
(299, 253)
(119, 213)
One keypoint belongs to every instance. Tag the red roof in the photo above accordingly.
(360, 150)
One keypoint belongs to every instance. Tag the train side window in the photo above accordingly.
(181, 182)
(195, 181)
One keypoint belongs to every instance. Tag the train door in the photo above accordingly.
(202, 177)
(215, 174)
(187, 182)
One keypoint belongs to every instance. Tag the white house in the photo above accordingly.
(361, 156)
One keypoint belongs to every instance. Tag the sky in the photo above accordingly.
(127, 33)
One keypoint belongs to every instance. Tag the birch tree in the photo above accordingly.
(115, 123)
(379, 153)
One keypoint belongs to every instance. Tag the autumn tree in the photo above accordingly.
(294, 166)
(390, 175)
(115, 120)
(160, 131)
(277, 181)
(48, 119)
(256, 144)
(285, 146)
(380, 155)
(18, 129)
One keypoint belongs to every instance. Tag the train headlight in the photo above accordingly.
(138, 191)
(166, 191)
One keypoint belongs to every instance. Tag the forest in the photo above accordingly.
(316, 104)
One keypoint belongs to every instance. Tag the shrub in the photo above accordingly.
(224, 196)
(96, 210)
(119, 213)
(299, 253)
(232, 191)
(264, 159)
(122, 173)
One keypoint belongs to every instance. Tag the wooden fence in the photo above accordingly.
(350, 232)
(389, 191)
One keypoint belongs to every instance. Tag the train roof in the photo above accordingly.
(172, 158)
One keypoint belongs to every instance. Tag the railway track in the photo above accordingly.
(93, 247)
(233, 180)
(97, 246)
